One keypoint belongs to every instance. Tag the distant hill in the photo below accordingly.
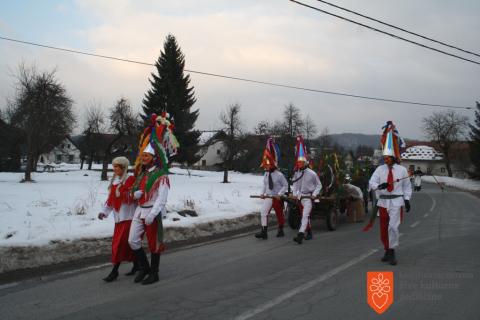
(351, 141)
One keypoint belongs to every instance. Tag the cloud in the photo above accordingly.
(277, 42)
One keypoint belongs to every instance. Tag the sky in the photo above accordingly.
(269, 40)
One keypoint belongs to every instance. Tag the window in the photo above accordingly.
(59, 157)
(442, 169)
(204, 163)
(218, 151)
(70, 158)
(63, 146)
(68, 146)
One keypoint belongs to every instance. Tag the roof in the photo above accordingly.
(421, 152)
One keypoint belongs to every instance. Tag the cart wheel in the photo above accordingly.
(332, 219)
(293, 215)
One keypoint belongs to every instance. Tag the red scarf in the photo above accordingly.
(116, 202)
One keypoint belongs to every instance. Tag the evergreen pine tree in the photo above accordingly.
(171, 92)
(475, 143)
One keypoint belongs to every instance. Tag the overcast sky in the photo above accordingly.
(268, 40)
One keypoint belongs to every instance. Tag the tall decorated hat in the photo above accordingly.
(391, 141)
(300, 152)
(157, 139)
(270, 154)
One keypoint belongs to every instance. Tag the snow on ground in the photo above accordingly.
(64, 205)
(464, 184)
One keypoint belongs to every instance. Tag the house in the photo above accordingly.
(66, 151)
(424, 157)
(211, 150)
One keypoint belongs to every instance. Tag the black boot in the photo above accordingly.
(299, 238)
(134, 269)
(280, 232)
(392, 260)
(309, 235)
(386, 256)
(113, 274)
(153, 275)
(143, 266)
(262, 234)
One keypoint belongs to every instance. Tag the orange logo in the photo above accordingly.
(380, 290)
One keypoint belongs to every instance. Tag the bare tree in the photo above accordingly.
(309, 130)
(124, 127)
(230, 119)
(444, 129)
(42, 110)
(94, 128)
(293, 122)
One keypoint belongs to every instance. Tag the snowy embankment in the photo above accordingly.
(58, 213)
(463, 184)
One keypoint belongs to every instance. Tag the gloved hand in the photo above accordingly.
(407, 205)
(101, 215)
(137, 194)
(383, 186)
(149, 219)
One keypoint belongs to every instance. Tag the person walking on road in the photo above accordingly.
(121, 203)
(394, 191)
(306, 187)
(150, 190)
(274, 186)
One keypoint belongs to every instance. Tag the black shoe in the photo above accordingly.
(112, 276)
(153, 275)
(299, 238)
(386, 256)
(262, 234)
(280, 232)
(144, 267)
(133, 270)
(392, 260)
(309, 235)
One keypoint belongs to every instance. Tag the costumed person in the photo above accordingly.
(121, 203)
(150, 190)
(306, 186)
(274, 186)
(417, 179)
(394, 190)
(355, 206)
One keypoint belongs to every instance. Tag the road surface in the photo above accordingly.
(437, 277)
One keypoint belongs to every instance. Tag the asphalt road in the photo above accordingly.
(438, 275)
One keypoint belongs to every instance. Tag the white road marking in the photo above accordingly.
(425, 215)
(287, 295)
(434, 203)
(413, 225)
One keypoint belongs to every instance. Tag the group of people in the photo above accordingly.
(138, 203)
(390, 182)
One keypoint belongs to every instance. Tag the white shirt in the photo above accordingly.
(157, 202)
(126, 210)
(353, 191)
(402, 187)
(306, 182)
(280, 184)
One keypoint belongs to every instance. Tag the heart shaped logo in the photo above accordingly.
(380, 290)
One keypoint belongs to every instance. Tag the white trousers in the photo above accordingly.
(137, 229)
(266, 208)
(393, 224)
(307, 209)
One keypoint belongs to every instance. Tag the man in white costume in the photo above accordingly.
(306, 187)
(394, 191)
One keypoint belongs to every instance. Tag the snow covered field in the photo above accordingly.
(464, 184)
(64, 205)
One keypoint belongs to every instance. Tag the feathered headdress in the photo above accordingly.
(270, 154)
(159, 140)
(300, 152)
(391, 141)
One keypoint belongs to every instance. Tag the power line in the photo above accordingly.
(384, 32)
(398, 28)
(239, 79)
